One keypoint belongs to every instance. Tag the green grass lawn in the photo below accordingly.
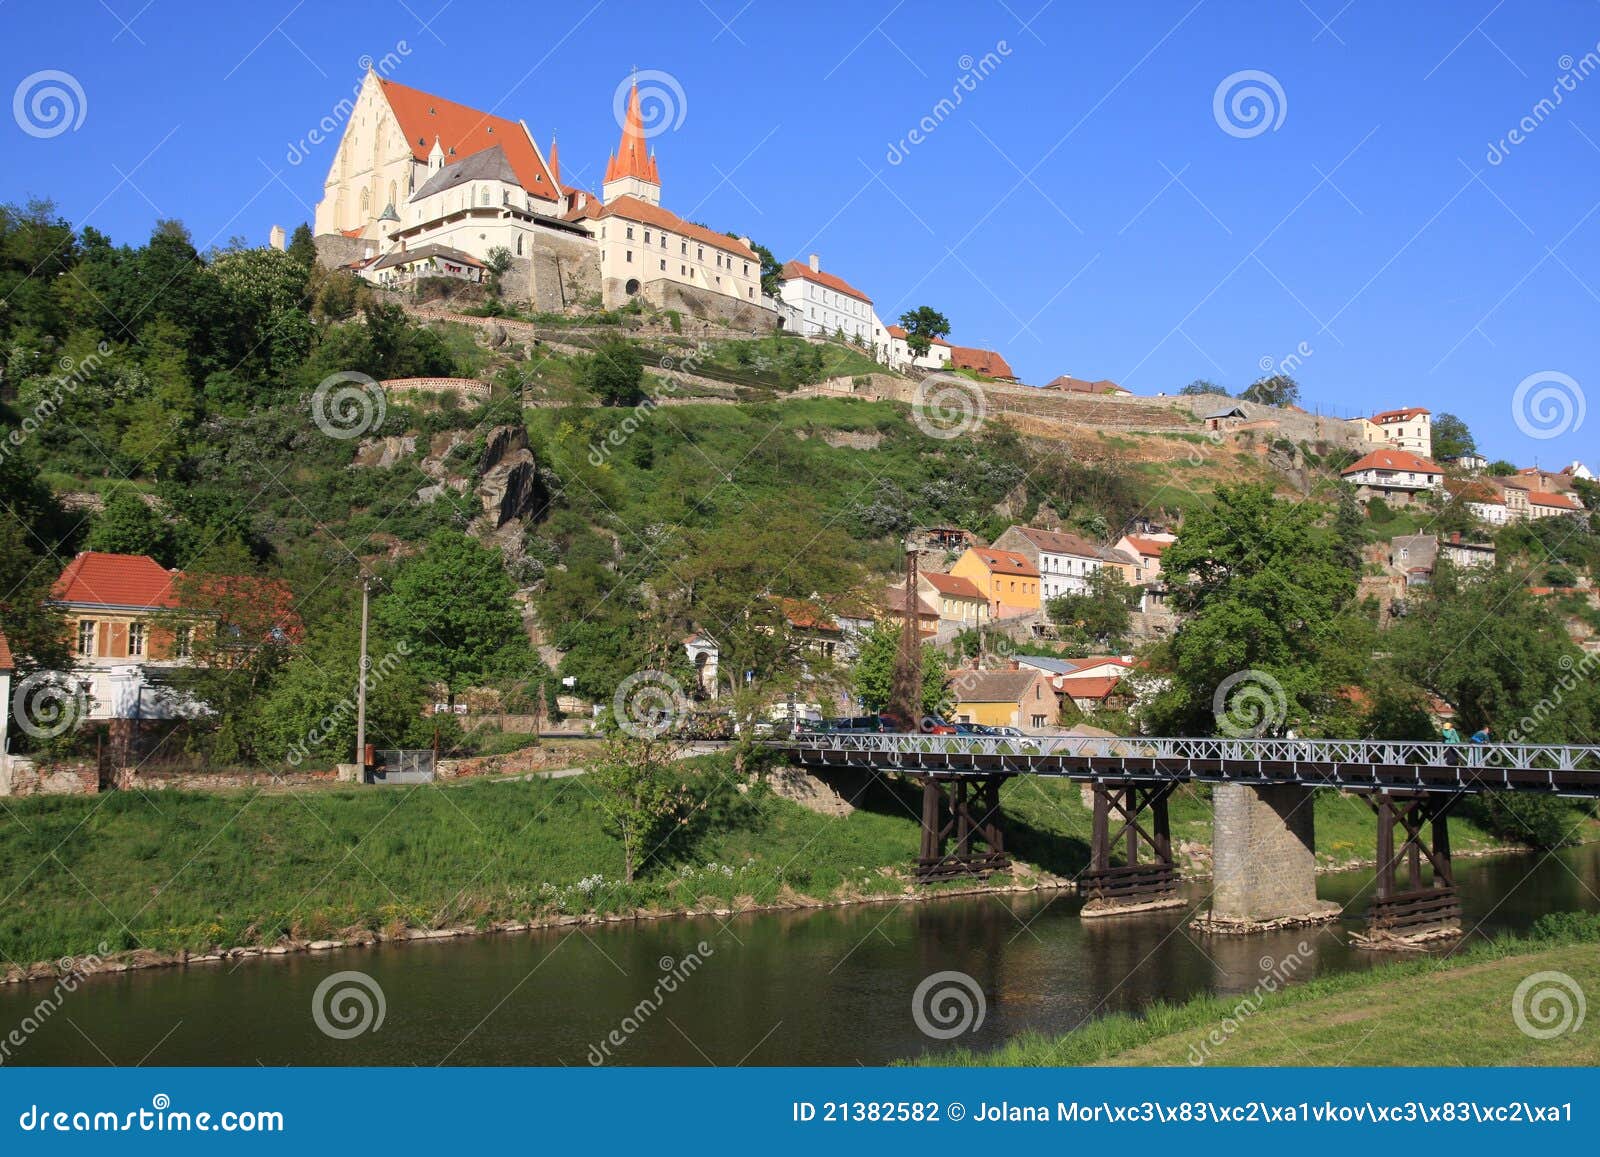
(1456, 1011)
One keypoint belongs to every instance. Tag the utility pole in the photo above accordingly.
(361, 686)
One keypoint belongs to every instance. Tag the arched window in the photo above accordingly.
(519, 244)
(365, 202)
(392, 199)
(483, 195)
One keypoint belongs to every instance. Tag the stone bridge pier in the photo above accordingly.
(1263, 860)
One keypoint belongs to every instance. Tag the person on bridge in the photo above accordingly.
(1450, 734)
(1484, 734)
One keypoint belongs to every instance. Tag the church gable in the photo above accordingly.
(462, 132)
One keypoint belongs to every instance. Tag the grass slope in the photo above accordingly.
(1455, 1011)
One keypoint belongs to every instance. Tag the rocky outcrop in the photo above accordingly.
(509, 483)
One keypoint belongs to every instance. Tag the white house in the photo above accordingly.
(828, 304)
(1065, 561)
(895, 351)
(1406, 429)
(1397, 476)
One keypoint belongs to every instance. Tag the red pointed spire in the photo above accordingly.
(633, 157)
(555, 162)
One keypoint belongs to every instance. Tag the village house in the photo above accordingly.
(1009, 698)
(703, 653)
(1225, 418)
(1408, 429)
(896, 351)
(828, 304)
(1482, 498)
(1092, 692)
(1417, 555)
(1146, 553)
(1064, 561)
(811, 628)
(958, 601)
(1397, 476)
(1544, 504)
(894, 602)
(1008, 579)
(980, 361)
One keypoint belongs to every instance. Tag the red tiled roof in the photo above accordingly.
(1404, 415)
(806, 615)
(96, 578)
(462, 131)
(1006, 561)
(799, 269)
(7, 663)
(985, 362)
(1080, 386)
(1546, 498)
(950, 584)
(894, 600)
(1393, 460)
(633, 209)
(1474, 490)
(1086, 687)
(900, 332)
(1147, 545)
(1059, 542)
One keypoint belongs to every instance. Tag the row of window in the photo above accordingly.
(138, 640)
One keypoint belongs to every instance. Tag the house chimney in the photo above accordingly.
(1013, 665)
(816, 263)
(275, 237)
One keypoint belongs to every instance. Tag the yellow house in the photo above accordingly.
(1007, 579)
(1011, 698)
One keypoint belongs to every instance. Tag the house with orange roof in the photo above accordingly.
(981, 361)
(1146, 552)
(896, 352)
(895, 603)
(1408, 429)
(1483, 499)
(126, 625)
(1008, 579)
(958, 601)
(1548, 504)
(1105, 387)
(1397, 476)
(1064, 561)
(826, 303)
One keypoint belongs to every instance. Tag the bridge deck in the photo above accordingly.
(1355, 764)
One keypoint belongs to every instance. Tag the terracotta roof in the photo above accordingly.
(1147, 545)
(1545, 498)
(1404, 415)
(993, 686)
(7, 663)
(1059, 542)
(253, 604)
(899, 331)
(806, 615)
(356, 232)
(462, 131)
(985, 362)
(633, 209)
(1474, 490)
(951, 584)
(1086, 687)
(1393, 460)
(894, 600)
(96, 578)
(793, 270)
(633, 157)
(1006, 561)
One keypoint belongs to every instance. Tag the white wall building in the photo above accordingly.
(828, 304)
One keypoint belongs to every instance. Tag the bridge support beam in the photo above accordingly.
(1134, 885)
(1264, 860)
(1406, 910)
(961, 833)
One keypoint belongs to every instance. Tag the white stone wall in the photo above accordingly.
(373, 167)
(632, 251)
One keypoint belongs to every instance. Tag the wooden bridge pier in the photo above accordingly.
(961, 833)
(1133, 884)
(1410, 909)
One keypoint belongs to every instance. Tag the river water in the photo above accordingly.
(830, 986)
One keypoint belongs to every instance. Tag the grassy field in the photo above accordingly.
(169, 871)
(1455, 1011)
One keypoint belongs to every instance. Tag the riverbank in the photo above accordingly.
(146, 880)
(1469, 1008)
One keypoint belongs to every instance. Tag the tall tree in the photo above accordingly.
(452, 605)
(1273, 390)
(873, 673)
(1203, 386)
(922, 325)
(1451, 438)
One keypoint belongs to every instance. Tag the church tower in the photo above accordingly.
(631, 171)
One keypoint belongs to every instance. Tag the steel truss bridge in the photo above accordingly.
(1412, 785)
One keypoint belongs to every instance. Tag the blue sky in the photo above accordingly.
(1083, 209)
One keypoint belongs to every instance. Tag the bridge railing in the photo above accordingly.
(1343, 752)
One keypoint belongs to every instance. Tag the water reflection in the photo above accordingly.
(829, 986)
